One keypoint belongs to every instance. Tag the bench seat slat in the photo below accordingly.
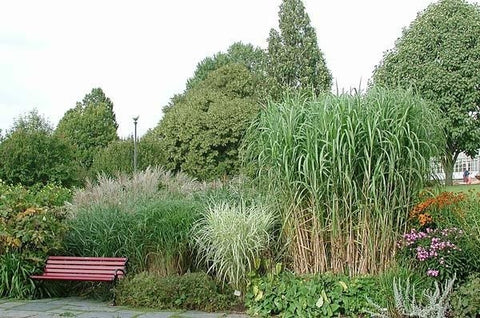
(83, 271)
(106, 263)
(75, 267)
(99, 278)
(81, 258)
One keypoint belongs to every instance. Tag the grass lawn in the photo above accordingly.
(463, 188)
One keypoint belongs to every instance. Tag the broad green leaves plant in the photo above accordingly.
(289, 295)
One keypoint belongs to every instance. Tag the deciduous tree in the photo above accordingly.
(439, 56)
(31, 154)
(89, 126)
(201, 133)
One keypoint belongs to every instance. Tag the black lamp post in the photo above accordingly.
(135, 119)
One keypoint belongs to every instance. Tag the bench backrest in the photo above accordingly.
(73, 265)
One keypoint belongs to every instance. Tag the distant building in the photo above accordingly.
(473, 165)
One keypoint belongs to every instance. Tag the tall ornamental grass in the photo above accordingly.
(133, 216)
(126, 191)
(343, 171)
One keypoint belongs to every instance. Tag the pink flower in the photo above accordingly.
(432, 272)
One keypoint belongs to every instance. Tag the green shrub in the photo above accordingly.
(31, 154)
(31, 226)
(155, 233)
(35, 230)
(18, 198)
(230, 237)
(30, 219)
(117, 156)
(465, 300)
(192, 291)
(288, 295)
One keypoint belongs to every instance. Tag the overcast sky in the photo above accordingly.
(142, 52)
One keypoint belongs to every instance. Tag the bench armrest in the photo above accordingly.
(116, 272)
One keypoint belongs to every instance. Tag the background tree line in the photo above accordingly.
(202, 128)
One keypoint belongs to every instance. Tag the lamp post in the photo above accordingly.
(135, 119)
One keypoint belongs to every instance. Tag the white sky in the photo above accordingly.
(142, 52)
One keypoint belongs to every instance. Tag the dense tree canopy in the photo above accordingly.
(89, 126)
(439, 56)
(201, 133)
(31, 154)
(114, 158)
(253, 58)
(294, 58)
(118, 156)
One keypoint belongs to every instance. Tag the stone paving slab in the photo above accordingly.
(85, 308)
(17, 314)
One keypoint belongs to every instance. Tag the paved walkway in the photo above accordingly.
(86, 308)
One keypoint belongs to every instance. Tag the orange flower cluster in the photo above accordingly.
(444, 200)
(424, 218)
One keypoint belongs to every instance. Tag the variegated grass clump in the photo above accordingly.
(343, 171)
(229, 237)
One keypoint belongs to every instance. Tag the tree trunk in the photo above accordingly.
(448, 170)
(448, 162)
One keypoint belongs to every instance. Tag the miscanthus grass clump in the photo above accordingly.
(343, 172)
(229, 237)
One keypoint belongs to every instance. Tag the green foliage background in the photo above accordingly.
(89, 126)
(295, 61)
(200, 135)
(438, 55)
(31, 154)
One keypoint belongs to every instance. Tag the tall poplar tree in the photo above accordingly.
(294, 58)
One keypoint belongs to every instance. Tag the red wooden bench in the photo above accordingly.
(94, 269)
